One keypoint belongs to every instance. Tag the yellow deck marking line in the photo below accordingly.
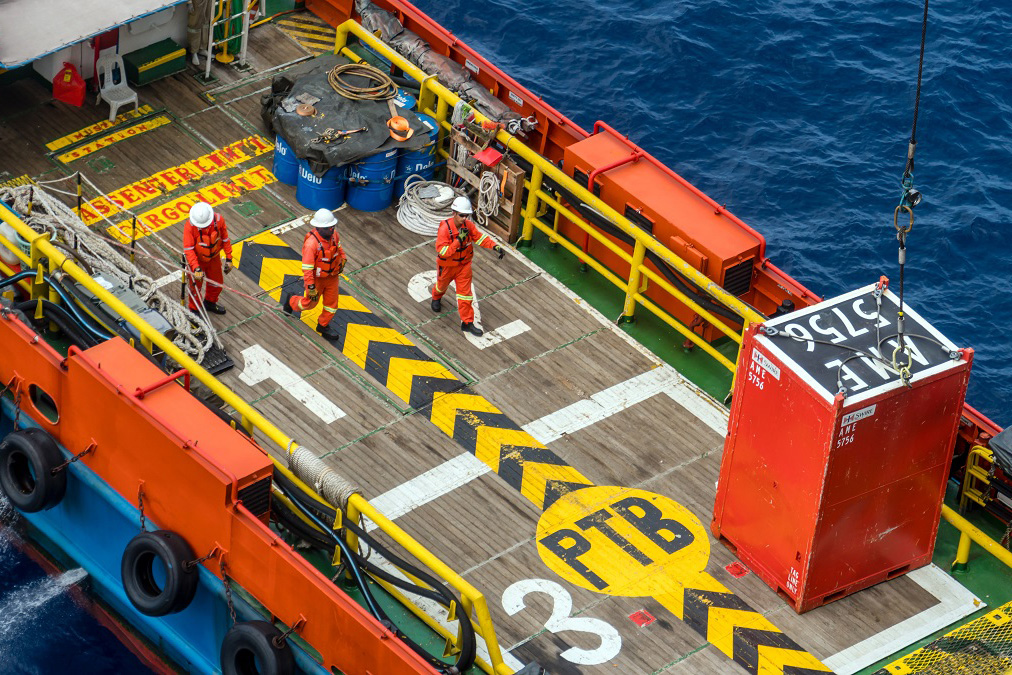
(81, 134)
(158, 184)
(611, 540)
(176, 211)
(105, 141)
(162, 59)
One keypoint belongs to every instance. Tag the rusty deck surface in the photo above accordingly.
(478, 448)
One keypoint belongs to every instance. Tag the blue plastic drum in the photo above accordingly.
(405, 100)
(320, 192)
(421, 161)
(286, 165)
(371, 181)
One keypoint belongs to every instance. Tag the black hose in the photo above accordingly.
(99, 331)
(61, 318)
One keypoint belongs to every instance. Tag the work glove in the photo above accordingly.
(500, 250)
(198, 275)
(227, 267)
(311, 292)
(462, 235)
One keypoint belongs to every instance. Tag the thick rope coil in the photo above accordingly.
(422, 215)
(325, 481)
(65, 227)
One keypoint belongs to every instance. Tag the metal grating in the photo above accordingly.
(738, 279)
(980, 647)
(256, 497)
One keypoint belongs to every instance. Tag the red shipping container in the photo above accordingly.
(68, 85)
(834, 470)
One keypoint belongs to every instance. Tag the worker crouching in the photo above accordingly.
(454, 252)
(205, 236)
(323, 259)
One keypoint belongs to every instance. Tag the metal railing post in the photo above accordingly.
(531, 210)
(629, 309)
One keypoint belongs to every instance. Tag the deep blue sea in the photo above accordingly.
(796, 114)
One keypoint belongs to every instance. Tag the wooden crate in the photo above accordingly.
(505, 224)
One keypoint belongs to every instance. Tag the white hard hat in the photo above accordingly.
(323, 219)
(201, 215)
(462, 205)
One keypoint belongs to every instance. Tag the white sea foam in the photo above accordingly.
(21, 607)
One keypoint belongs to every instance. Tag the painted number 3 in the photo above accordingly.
(560, 620)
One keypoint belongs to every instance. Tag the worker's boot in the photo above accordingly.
(213, 307)
(436, 305)
(328, 333)
(469, 327)
(286, 302)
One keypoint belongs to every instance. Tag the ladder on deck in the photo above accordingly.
(221, 15)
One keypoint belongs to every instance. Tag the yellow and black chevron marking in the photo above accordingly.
(309, 31)
(527, 465)
(980, 647)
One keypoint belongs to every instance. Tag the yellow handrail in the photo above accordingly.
(43, 250)
(969, 532)
(542, 168)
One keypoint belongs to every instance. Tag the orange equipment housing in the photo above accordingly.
(669, 209)
(198, 477)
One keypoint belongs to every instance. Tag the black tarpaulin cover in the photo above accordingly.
(333, 111)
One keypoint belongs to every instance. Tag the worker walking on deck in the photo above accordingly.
(454, 251)
(204, 238)
(323, 259)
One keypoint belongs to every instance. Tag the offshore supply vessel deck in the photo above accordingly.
(460, 446)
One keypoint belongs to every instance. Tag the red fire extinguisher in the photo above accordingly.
(68, 85)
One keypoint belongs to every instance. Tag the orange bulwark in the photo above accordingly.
(157, 439)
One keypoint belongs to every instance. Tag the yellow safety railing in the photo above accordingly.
(436, 100)
(47, 258)
(968, 532)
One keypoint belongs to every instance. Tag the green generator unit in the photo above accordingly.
(154, 62)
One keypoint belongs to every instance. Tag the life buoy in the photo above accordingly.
(249, 649)
(27, 460)
(154, 596)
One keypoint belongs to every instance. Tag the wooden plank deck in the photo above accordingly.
(666, 438)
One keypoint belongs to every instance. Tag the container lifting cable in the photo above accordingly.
(908, 200)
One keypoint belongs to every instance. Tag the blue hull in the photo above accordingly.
(91, 526)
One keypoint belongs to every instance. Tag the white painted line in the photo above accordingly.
(496, 335)
(434, 483)
(464, 468)
(954, 603)
(290, 225)
(260, 365)
(420, 285)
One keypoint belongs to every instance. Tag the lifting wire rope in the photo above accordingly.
(908, 200)
(384, 89)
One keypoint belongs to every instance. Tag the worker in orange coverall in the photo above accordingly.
(323, 259)
(454, 252)
(204, 238)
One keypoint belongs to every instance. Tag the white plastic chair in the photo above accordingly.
(115, 93)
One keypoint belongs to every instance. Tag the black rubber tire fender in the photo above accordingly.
(137, 571)
(27, 460)
(248, 649)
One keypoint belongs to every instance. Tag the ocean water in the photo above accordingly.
(796, 115)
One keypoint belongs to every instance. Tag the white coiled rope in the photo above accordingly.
(193, 334)
(488, 197)
(422, 215)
